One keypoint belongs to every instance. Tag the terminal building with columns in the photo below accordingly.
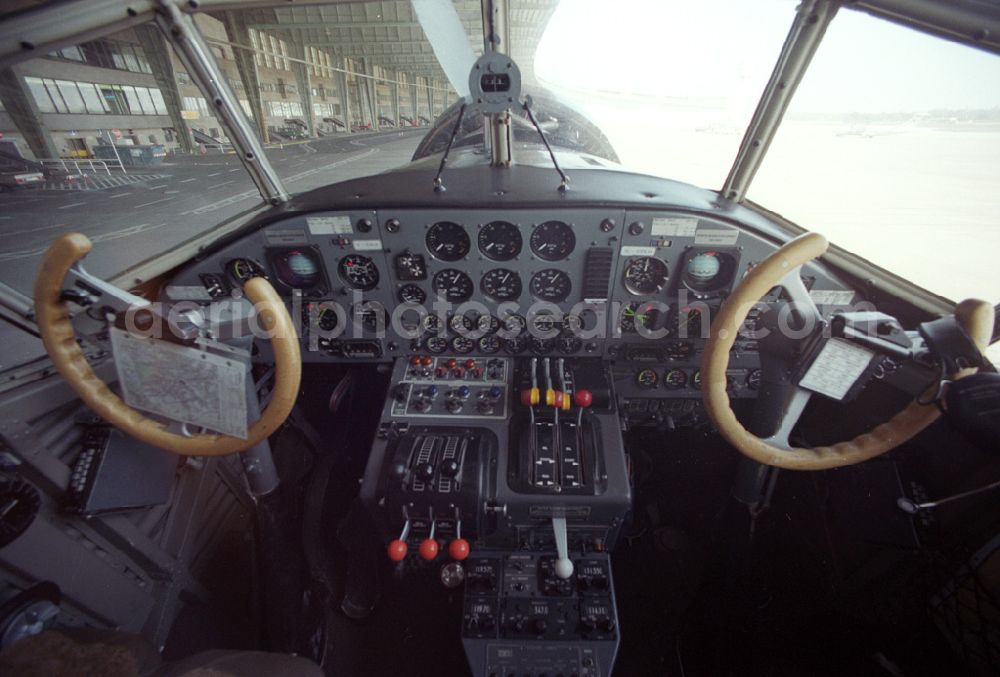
(299, 74)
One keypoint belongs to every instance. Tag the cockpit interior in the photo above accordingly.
(508, 409)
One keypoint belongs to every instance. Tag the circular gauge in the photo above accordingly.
(691, 322)
(552, 241)
(647, 378)
(411, 293)
(359, 271)
(460, 324)
(645, 275)
(242, 270)
(542, 346)
(696, 379)
(550, 284)
(500, 240)
(639, 314)
(501, 284)
(675, 379)
(298, 268)
(567, 345)
(488, 324)
(447, 241)
(515, 345)
(489, 344)
(515, 324)
(754, 379)
(709, 272)
(543, 324)
(437, 344)
(370, 315)
(453, 285)
(462, 344)
(323, 317)
(572, 324)
(432, 324)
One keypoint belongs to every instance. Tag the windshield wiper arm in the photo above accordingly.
(438, 183)
(564, 183)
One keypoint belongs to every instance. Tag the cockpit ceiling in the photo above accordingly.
(388, 34)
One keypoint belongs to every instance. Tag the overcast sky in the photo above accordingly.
(726, 49)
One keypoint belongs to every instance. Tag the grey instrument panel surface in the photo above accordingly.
(670, 236)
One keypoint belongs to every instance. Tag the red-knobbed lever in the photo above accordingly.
(429, 546)
(583, 398)
(398, 547)
(459, 548)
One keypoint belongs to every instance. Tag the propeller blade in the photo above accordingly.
(448, 39)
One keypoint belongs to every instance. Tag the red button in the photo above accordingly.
(458, 549)
(452, 362)
(427, 360)
(470, 363)
(415, 360)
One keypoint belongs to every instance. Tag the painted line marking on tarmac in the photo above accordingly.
(238, 169)
(146, 204)
(119, 195)
(188, 180)
(219, 185)
(215, 174)
(75, 204)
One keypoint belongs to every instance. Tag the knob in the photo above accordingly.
(495, 392)
(428, 549)
(440, 372)
(422, 404)
(477, 373)
(431, 391)
(459, 549)
(470, 363)
(392, 225)
(485, 407)
(397, 550)
(540, 626)
(449, 468)
(415, 360)
(426, 471)
(454, 406)
(530, 397)
(399, 471)
(583, 398)
(364, 226)
(463, 391)
(451, 363)
(458, 372)
(427, 360)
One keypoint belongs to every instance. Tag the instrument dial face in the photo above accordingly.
(696, 379)
(754, 379)
(437, 344)
(323, 317)
(410, 266)
(489, 343)
(501, 284)
(542, 346)
(370, 315)
(432, 324)
(242, 270)
(462, 344)
(488, 324)
(647, 378)
(551, 284)
(453, 285)
(515, 345)
(567, 345)
(460, 324)
(447, 241)
(500, 240)
(638, 314)
(572, 324)
(515, 324)
(552, 241)
(411, 293)
(359, 271)
(297, 268)
(645, 275)
(675, 379)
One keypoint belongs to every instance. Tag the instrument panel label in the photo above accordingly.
(638, 251)
(368, 245)
(674, 226)
(717, 237)
(329, 225)
(285, 236)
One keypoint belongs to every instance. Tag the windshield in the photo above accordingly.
(891, 148)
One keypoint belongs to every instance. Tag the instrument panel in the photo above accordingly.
(638, 288)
